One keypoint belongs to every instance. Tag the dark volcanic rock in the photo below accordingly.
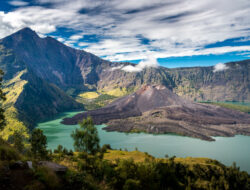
(156, 109)
(145, 99)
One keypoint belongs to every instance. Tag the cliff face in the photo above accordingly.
(202, 84)
(195, 83)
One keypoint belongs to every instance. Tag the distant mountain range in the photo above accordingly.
(44, 77)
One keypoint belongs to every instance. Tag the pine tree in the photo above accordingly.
(86, 138)
(38, 143)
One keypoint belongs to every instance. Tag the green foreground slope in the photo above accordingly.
(117, 170)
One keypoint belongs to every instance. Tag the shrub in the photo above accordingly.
(48, 177)
(37, 185)
(131, 184)
(8, 153)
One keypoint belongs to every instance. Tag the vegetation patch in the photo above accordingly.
(89, 95)
(100, 101)
(7, 152)
(137, 156)
(12, 89)
(117, 92)
(229, 105)
(136, 130)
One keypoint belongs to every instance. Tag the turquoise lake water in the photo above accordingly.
(224, 149)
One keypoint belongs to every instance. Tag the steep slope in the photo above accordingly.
(156, 109)
(40, 100)
(194, 83)
(76, 71)
(202, 84)
(29, 98)
(53, 61)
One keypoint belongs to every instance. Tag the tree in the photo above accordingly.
(86, 138)
(17, 139)
(2, 99)
(38, 143)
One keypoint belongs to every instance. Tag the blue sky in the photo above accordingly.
(177, 33)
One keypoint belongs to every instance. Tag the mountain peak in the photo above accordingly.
(23, 34)
(26, 31)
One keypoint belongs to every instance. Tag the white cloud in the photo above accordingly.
(69, 43)
(179, 53)
(75, 37)
(131, 69)
(151, 61)
(81, 44)
(220, 67)
(18, 3)
(60, 39)
(170, 28)
(116, 68)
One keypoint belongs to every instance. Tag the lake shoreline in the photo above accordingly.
(225, 149)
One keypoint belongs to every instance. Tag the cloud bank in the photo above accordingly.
(151, 61)
(125, 30)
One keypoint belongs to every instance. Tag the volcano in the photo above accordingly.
(156, 109)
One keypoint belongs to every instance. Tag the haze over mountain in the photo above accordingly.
(51, 75)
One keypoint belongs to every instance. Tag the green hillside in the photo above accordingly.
(115, 169)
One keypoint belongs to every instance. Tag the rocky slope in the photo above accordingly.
(202, 84)
(29, 97)
(195, 83)
(156, 109)
(75, 71)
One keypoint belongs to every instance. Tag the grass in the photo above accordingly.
(97, 99)
(13, 125)
(100, 101)
(117, 92)
(242, 108)
(13, 88)
(89, 95)
(137, 156)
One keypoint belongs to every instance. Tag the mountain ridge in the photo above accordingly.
(70, 72)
